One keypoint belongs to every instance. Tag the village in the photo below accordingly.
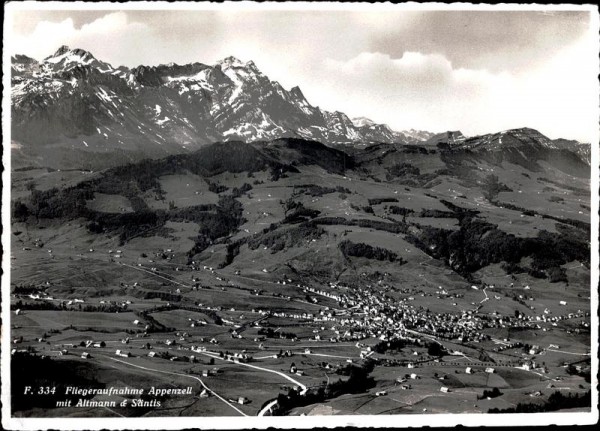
(341, 325)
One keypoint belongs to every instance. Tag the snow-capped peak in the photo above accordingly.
(362, 121)
(66, 59)
(232, 61)
(71, 55)
(61, 51)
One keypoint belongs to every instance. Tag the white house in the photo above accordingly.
(123, 354)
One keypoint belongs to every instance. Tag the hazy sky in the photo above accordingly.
(476, 71)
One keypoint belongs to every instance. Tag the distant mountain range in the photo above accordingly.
(71, 104)
(517, 138)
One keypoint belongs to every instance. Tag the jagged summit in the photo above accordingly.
(297, 92)
(232, 61)
(362, 121)
(20, 58)
(239, 67)
(66, 51)
(62, 50)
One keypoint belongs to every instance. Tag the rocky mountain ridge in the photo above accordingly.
(73, 96)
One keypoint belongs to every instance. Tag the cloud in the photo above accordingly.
(110, 37)
(492, 40)
(413, 91)
(426, 91)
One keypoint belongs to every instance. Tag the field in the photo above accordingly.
(268, 301)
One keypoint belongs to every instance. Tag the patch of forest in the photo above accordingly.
(286, 238)
(425, 212)
(556, 401)
(377, 201)
(308, 152)
(349, 248)
(402, 170)
(366, 223)
(358, 381)
(315, 190)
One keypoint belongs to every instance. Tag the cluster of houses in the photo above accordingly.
(321, 292)
(366, 313)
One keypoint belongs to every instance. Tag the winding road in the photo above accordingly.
(268, 370)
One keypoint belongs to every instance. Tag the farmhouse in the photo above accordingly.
(123, 354)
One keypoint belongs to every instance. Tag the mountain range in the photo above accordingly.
(71, 104)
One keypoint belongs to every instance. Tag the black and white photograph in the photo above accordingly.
(299, 214)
